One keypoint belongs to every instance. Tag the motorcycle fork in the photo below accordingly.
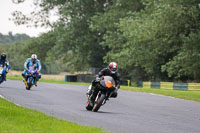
(97, 97)
(26, 83)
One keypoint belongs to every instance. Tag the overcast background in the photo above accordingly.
(6, 8)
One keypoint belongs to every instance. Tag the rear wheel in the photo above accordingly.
(99, 102)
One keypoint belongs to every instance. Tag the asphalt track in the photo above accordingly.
(131, 112)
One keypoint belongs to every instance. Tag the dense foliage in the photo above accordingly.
(149, 39)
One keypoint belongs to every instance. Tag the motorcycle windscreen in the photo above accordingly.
(109, 81)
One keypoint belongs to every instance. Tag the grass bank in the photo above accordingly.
(187, 95)
(16, 77)
(16, 119)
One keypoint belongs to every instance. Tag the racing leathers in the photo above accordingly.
(35, 65)
(105, 72)
(5, 63)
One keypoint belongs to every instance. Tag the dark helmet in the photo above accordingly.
(3, 56)
(113, 67)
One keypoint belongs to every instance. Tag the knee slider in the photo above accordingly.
(114, 94)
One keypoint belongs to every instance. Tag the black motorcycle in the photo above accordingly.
(105, 88)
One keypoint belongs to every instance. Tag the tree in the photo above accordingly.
(149, 39)
(154, 36)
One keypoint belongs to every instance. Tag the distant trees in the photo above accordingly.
(10, 38)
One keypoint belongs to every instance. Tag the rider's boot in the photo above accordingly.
(36, 80)
(36, 84)
(114, 94)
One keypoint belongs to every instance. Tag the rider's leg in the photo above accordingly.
(93, 95)
(24, 74)
(37, 78)
(5, 77)
(91, 88)
(114, 94)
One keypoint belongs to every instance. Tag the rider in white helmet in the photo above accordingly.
(32, 62)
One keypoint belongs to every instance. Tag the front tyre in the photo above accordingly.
(29, 84)
(99, 102)
(88, 105)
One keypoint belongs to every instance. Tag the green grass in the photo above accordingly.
(16, 119)
(49, 80)
(188, 95)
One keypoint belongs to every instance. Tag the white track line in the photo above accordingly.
(9, 100)
(2, 97)
(161, 95)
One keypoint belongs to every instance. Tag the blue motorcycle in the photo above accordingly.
(2, 73)
(31, 80)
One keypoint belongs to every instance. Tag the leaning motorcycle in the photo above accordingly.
(31, 80)
(2, 73)
(105, 88)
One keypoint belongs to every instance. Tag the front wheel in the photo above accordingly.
(88, 105)
(29, 84)
(99, 102)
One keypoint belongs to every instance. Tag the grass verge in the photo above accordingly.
(48, 80)
(187, 95)
(16, 119)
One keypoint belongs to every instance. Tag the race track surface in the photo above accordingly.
(131, 112)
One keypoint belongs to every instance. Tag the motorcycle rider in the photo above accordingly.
(4, 61)
(110, 71)
(32, 62)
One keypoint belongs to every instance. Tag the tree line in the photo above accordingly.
(10, 38)
(149, 39)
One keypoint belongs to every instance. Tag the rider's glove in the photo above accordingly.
(97, 79)
(38, 71)
(116, 88)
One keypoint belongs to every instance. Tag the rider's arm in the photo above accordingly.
(26, 65)
(101, 73)
(7, 65)
(117, 82)
(39, 66)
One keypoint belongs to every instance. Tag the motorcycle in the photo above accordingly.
(105, 87)
(31, 80)
(2, 73)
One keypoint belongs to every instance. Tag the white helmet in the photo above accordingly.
(33, 56)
